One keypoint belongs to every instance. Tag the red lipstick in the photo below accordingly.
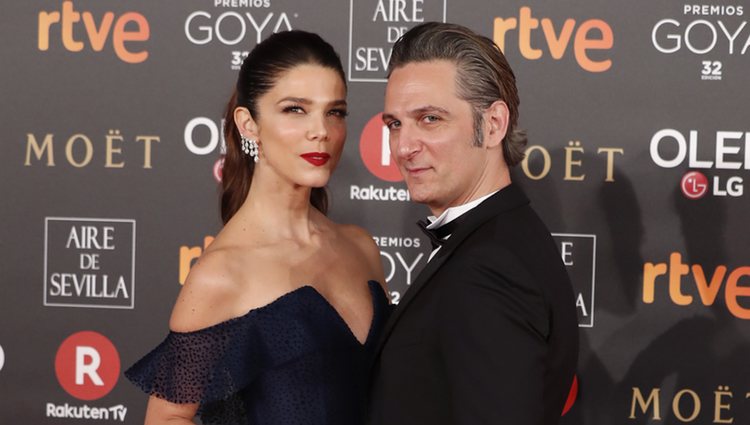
(316, 158)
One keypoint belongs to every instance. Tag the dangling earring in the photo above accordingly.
(249, 147)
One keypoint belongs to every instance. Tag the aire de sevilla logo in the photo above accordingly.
(374, 148)
(87, 365)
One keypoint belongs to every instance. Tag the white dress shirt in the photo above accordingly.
(451, 214)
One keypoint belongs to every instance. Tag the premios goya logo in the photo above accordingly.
(723, 155)
(80, 30)
(240, 24)
(684, 284)
(89, 262)
(374, 26)
(712, 33)
(87, 367)
(590, 41)
(402, 257)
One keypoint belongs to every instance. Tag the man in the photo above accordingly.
(487, 333)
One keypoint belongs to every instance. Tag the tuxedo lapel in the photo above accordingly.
(506, 199)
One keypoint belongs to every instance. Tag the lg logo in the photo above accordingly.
(87, 365)
(375, 150)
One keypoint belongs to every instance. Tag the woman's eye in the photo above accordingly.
(294, 109)
(341, 113)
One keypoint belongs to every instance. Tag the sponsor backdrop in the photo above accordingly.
(638, 159)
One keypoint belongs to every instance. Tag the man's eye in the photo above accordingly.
(430, 118)
(393, 125)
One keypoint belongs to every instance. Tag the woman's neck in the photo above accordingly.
(279, 209)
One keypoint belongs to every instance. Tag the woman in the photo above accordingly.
(276, 321)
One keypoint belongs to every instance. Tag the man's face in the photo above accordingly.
(431, 135)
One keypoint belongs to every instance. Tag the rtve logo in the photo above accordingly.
(96, 33)
(593, 34)
(87, 365)
(736, 297)
(375, 150)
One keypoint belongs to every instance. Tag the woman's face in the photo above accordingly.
(301, 126)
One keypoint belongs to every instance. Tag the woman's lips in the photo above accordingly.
(316, 158)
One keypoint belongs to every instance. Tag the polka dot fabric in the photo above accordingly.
(293, 361)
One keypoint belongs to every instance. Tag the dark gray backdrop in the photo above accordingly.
(101, 244)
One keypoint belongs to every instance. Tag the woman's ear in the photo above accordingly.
(245, 122)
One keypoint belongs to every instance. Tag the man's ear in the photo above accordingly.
(496, 118)
(245, 122)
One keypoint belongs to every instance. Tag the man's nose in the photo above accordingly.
(405, 142)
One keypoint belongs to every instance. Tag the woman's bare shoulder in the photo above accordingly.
(209, 293)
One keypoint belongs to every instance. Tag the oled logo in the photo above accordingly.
(375, 151)
(713, 32)
(89, 262)
(591, 40)
(203, 136)
(706, 285)
(127, 32)
(730, 150)
(87, 366)
(578, 253)
(378, 25)
(248, 25)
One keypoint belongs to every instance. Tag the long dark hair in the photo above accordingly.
(261, 69)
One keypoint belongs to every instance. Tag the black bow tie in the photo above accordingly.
(437, 236)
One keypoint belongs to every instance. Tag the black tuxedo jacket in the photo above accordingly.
(487, 333)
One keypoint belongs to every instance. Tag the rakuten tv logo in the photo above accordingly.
(87, 365)
(130, 28)
(375, 150)
(590, 36)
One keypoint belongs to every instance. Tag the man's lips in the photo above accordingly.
(316, 158)
(415, 171)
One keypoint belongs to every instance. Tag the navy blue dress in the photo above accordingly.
(293, 361)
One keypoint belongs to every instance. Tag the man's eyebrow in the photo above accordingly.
(428, 108)
(418, 111)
